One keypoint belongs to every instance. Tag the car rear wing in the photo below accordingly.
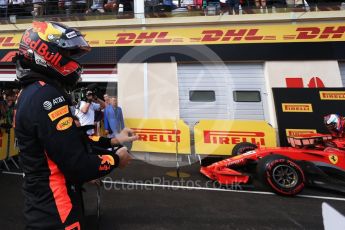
(308, 141)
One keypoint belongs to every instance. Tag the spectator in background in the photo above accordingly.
(150, 5)
(106, 99)
(80, 6)
(85, 110)
(50, 7)
(17, 7)
(38, 7)
(212, 7)
(234, 6)
(260, 4)
(68, 7)
(3, 8)
(276, 4)
(128, 5)
(111, 6)
(97, 7)
(113, 118)
(61, 6)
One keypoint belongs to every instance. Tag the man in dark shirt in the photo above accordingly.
(54, 156)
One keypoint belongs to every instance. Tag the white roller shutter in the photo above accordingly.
(342, 72)
(223, 79)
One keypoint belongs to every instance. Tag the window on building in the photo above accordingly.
(202, 95)
(246, 96)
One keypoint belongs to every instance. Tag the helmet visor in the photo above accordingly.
(74, 47)
(332, 122)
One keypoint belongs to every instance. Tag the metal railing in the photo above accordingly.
(68, 10)
(62, 10)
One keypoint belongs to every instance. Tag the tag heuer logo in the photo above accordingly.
(47, 105)
(71, 34)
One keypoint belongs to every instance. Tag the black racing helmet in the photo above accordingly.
(50, 49)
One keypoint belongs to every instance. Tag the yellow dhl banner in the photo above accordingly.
(218, 137)
(241, 34)
(160, 135)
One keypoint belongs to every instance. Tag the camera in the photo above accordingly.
(82, 93)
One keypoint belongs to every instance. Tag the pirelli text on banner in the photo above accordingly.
(332, 95)
(218, 137)
(299, 132)
(160, 135)
(233, 137)
(297, 107)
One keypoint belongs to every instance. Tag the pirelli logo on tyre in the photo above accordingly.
(57, 113)
(297, 107)
(298, 132)
(332, 95)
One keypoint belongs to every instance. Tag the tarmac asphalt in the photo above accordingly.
(143, 196)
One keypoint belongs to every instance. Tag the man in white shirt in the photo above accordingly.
(85, 111)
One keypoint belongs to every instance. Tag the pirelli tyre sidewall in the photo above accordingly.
(243, 147)
(281, 174)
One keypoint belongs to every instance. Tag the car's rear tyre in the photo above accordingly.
(243, 147)
(281, 174)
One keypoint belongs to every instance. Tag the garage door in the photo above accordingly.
(342, 72)
(222, 91)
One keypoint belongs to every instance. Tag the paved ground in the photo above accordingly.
(135, 206)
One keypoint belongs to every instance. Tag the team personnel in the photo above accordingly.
(54, 157)
(113, 118)
(85, 110)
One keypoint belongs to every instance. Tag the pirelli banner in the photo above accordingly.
(301, 110)
(218, 137)
(232, 42)
(8, 144)
(160, 135)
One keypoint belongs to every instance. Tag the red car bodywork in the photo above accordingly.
(312, 148)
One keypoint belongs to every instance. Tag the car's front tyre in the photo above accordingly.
(281, 174)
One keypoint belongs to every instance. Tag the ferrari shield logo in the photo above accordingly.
(333, 159)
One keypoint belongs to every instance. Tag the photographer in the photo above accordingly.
(85, 110)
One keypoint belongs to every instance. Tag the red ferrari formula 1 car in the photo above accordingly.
(313, 159)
